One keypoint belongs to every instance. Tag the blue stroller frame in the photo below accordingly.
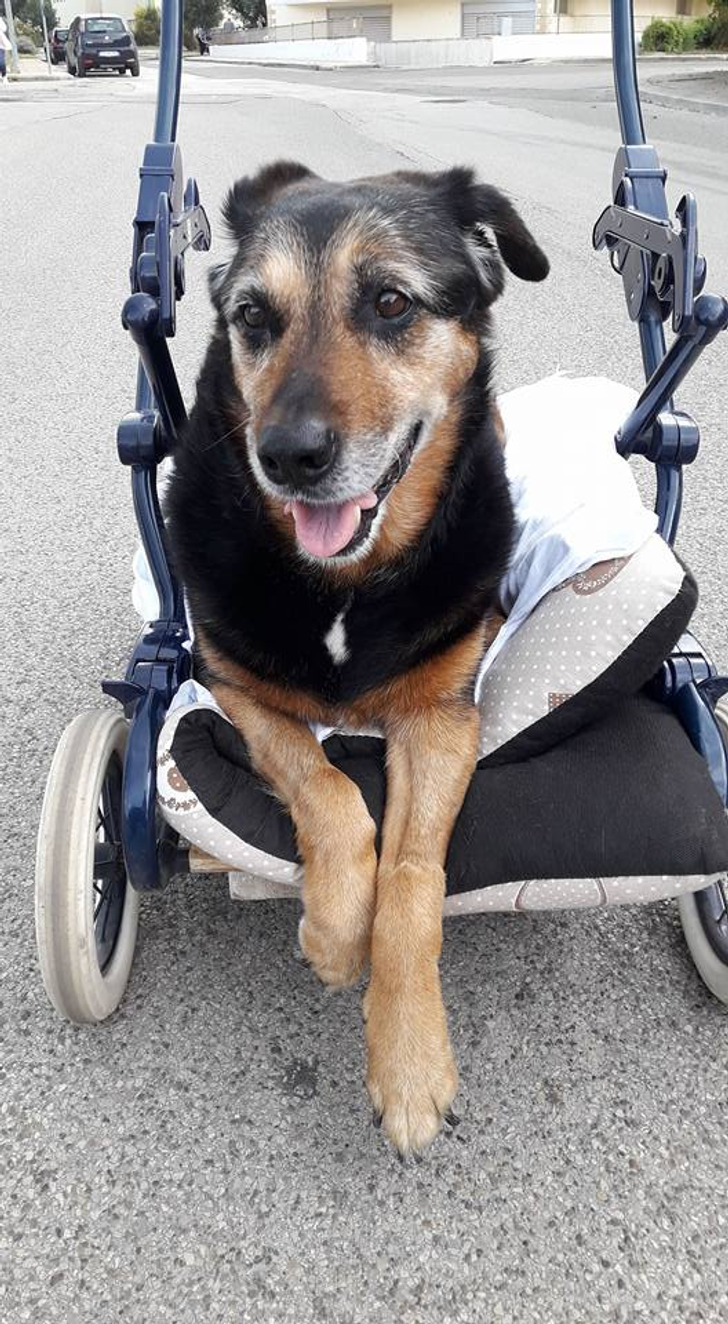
(663, 276)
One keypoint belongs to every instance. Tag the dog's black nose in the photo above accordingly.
(296, 455)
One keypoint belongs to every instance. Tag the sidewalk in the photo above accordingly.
(706, 92)
(34, 70)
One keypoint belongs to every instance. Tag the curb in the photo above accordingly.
(683, 103)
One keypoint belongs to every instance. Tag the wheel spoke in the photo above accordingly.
(107, 911)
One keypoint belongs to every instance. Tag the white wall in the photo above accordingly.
(339, 51)
(549, 46)
(419, 54)
(432, 54)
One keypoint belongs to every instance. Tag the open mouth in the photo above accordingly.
(339, 528)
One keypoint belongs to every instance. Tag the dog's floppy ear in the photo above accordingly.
(481, 211)
(249, 195)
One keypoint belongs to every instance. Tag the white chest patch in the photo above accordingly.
(335, 640)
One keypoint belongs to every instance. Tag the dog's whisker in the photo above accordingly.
(218, 440)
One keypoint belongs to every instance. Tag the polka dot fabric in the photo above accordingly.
(575, 634)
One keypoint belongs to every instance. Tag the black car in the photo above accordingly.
(58, 45)
(100, 41)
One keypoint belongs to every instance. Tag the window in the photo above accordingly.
(104, 25)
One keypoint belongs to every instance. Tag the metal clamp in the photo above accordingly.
(160, 270)
(673, 271)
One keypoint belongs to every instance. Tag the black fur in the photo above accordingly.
(257, 601)
(260, 605)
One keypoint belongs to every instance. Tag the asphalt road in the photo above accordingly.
(207, 1155)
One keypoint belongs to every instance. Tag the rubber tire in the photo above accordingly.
(135, 70)
(64, 896)
(711, 969)
(121, 71)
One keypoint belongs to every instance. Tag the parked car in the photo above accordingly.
(58, 45)
(100, 41)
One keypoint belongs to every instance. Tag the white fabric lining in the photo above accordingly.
(518, 897)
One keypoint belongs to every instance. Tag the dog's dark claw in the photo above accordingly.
(376, 1120)
(451, 1119)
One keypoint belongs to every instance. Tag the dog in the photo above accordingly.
(340, 517)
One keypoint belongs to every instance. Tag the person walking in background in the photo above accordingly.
(4, 48)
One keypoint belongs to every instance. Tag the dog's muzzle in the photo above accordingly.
(297, 459)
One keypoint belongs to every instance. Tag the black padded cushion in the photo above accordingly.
(627, 795)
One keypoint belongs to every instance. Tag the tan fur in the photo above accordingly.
(367, 237)
(334, 831)
(411, 504)
(499, 425)
(431, 728)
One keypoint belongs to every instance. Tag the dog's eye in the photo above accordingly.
(253, 315)
(392, 303)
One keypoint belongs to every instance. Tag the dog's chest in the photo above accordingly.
(341, 646)
(335, 640)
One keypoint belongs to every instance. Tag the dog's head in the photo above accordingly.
(356, 314)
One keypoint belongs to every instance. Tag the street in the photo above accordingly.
(207, 1155)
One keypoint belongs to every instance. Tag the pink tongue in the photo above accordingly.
(326, 530)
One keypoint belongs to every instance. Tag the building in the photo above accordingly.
(409, 20)
(594, 15)
(418, 20)
(68, 9)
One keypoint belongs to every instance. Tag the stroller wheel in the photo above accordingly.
(85, 910)
(704, 914)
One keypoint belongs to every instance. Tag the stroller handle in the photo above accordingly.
(170, 71)
(624, 63)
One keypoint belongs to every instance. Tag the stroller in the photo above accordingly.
(163, 788)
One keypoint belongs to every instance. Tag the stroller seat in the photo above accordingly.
(587, 790)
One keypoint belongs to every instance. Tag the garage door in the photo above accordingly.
(375, 22)
(493, 18)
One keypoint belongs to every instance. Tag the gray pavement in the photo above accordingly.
(207, 1155)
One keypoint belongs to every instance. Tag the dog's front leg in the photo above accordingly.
(412, 1076)
(334, 829)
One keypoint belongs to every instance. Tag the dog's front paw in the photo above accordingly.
(338, 959)
(412, 1077)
